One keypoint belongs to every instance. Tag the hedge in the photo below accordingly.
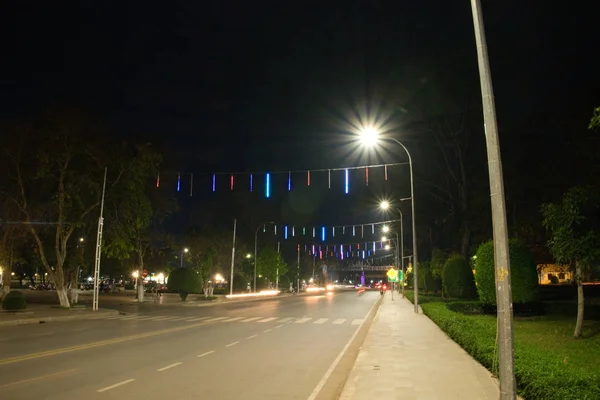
(540, 372)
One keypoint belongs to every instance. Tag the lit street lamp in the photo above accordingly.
(370, 136)
(184, 250)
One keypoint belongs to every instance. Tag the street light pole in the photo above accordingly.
(256, 249)
(232, 257)
(414, 226)
(402, 249)
(508, 388)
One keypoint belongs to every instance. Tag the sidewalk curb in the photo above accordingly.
(42, 319)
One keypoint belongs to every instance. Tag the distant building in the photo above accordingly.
(549, 272)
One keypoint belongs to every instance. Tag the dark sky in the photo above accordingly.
(226, 85)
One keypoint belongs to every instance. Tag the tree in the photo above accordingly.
(458, 278)
(436, 265)
(574, 228)
(184, 281)
(56, 165)
(131, 208)
(595, 121)
(12, 232)
(271, 264)
(523, 273)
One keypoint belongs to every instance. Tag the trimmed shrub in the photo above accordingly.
(184, 281)
(14, 301)
(457, 278)
(524, 278)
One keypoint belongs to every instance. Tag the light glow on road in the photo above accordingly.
(263, 293)
(315, 289)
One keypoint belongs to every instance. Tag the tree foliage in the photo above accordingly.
(523, 273)
(55, 165)
(184, 281)
(595, 121)
(269, 262)
(458, 278)
(574, 226)
(131, 212)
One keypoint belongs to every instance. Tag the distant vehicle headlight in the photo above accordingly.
(329, 287)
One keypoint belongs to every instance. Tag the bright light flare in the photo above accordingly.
(369, 135)
(329, 287)
(387, 246)
(315, 289)
(263, 293)
(385, 205)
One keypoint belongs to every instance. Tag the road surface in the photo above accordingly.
(274, 349)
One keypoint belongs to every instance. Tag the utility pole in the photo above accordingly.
(233, 257)
(508, 387)
(99, 248)
(298, 272)
(277, 276)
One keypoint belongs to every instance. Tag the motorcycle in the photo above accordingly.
(383, 289)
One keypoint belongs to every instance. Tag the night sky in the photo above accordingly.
(263, 86)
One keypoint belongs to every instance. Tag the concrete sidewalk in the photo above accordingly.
(406, 356)
(37, 314)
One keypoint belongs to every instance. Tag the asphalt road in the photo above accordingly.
(274, 349)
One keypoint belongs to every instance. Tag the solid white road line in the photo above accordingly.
(321, 321)
(231, 344)
(168, 367)
(251, 319)
(115, 385)
(339, 321)
(335, 362)
(207, 353)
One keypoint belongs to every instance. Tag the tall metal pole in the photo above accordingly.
(255, 256)
(277, 276)
(232, 257)
(298, 272)
(99, 248)
(414, 228)
(402, 250)
(508, 387)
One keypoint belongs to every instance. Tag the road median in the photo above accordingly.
(40, 315)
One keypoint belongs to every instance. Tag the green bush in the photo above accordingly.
(524, 278)
(457, 278)
(184, 281)
(14, 301)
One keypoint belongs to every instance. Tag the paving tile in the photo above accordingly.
(416, 360)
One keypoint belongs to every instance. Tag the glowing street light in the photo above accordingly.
(248, 255)
(387, 246)
(369, 136)
(385, 229)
